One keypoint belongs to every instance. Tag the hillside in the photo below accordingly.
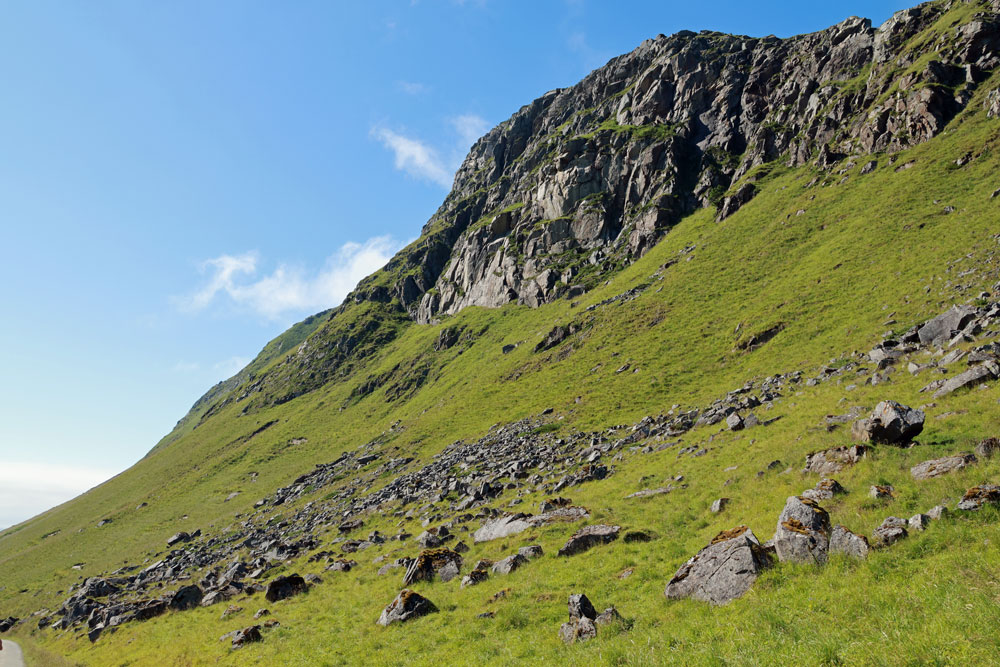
(709, 259)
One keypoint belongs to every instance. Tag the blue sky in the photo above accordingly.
(181, 181)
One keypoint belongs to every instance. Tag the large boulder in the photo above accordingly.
(942, 466)
(984, 372)
(443, 563)
(803, 532)
(722, 571)
(285, 587)
(407, 605)
(589, 536)
(891, 423)
(943, 327)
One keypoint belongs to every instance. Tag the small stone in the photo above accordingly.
(719, 505)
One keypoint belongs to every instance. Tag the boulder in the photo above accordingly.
(892, 530)
(940, 329)
(978, 496)
(285, 587)
(918, 522)
(843, 541)
(937, 512)
(735, 422)
(718, 505)
(578, 631)
(475, 577)
(581, 607)
(247, 636)
(185, 597)
(407, 606)
(834, 460)
(722, 571)
(885, 492)
(178, 538)
(891, 423)
(442, 563)
(989, 370)
(825, 489)
(509, 564)
(803, 532)
(530, 552)
(429, 540)
(588, 537)
(505, 526)
(942, 466)
(987, 448)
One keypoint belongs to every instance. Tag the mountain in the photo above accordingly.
(723, 289)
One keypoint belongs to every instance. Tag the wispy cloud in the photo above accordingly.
(469, 127)
(415, 157)
(578, 43)
(27, 489)
(288, 289)
(426, 162)
(412, 87)
(231, 366)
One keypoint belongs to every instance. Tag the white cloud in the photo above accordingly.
(412, 87)
(415, 157)
(27, 489)
(469, 127)
(289, 289)
(186, 367)
(421, 160)
(227, 368)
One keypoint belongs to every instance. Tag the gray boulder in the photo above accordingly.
(719, 505)
(987, 448)
(942, 466)
(803, 532)
(285, 587)
(989, 370)
(441, 563)
(530, 552)
(509, 564)
(185, 597)
(407, 606)
(825, 489)
(891, 423)
(843, 541)
(830, 461)
(892, 530)
(918, 522)
(588, 537)
(722, 571)
(940, 329)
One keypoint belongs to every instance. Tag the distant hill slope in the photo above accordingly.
(709, 226)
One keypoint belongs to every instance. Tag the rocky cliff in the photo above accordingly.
(583, 180)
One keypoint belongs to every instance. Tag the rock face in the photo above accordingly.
(891, 423)
(589, 536)
(407, 605)
(722, 571)
(803, 532)
(942, 466)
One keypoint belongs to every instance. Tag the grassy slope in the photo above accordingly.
(861, 251)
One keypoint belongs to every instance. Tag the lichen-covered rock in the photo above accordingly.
(722, 571)
(942, 466)
(803, 532)
(407, 606)
(978, 496)
(825, 489)
(881, 492)
(247, 636)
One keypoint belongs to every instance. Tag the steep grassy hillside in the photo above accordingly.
(829, 258)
